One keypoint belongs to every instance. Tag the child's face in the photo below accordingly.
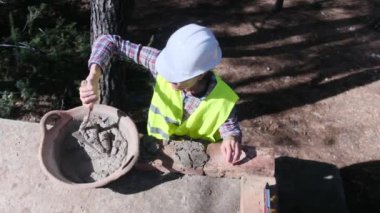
(188, 84)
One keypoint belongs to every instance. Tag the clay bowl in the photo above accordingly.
(56, 125)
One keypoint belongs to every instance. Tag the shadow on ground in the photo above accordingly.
(308, 187)
(138, 181)
(362, 186)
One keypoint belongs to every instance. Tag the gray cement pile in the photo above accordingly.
(93, 149)
(191, 154)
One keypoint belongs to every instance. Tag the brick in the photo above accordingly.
(257, 162)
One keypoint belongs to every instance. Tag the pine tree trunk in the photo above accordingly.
(111, 17)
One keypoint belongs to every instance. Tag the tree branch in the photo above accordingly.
(22, 46)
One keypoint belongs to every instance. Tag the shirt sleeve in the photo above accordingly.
(231, 127)
(107, 46)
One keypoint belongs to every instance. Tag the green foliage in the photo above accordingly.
(33, 14)
(27, 94)
(7, 103)
(42, 60)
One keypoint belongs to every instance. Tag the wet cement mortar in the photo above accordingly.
(92, 149)
(191, 154)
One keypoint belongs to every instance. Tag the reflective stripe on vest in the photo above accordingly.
(165, 113)
(155, 110)
(158, 131)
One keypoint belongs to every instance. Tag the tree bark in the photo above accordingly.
(111, 17)
(278, 6)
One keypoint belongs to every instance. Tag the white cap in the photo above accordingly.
(190, 51)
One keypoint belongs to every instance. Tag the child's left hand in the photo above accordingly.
(231, 149)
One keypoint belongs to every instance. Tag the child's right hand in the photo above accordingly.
(89, 90)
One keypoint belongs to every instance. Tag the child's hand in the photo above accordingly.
(231, 149)
(89, 89)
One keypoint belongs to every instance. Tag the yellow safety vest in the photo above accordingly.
(166, 111)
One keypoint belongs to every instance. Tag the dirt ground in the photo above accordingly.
(306, 75)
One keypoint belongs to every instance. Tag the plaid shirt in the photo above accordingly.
(107, 46)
